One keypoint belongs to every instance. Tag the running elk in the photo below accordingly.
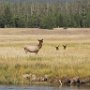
(34, 48)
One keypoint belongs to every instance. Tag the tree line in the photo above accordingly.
(45, 15)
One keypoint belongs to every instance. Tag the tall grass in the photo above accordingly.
(74, 61)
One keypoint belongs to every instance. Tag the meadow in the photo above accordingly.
(14, 62)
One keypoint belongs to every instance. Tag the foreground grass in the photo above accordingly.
(74, 61)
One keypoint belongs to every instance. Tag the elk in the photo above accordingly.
(64, 46)
(34, 48)
(57, 47)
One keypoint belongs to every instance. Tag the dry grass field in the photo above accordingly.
(14, 62)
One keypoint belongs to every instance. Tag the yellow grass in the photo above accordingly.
(74, 61)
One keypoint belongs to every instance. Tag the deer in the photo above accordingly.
(64, 46)
(57, 47)
(34, 48)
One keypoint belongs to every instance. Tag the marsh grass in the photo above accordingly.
(74, 61)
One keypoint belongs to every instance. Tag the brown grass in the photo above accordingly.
(74, 61)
